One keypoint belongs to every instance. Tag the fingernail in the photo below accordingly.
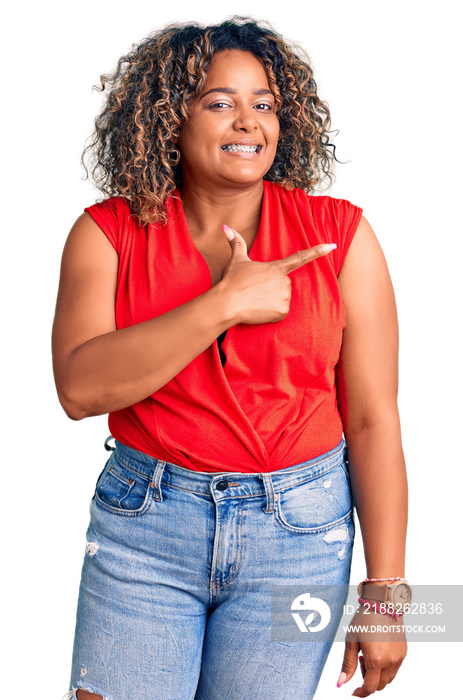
(228, 232)
(341, 679)
(329, 246)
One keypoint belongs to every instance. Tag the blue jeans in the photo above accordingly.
(174, 599)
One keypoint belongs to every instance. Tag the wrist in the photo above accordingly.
(390, 598)
(223, 301)
(383, 580)
(386, 609)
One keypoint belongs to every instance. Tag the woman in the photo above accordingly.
(233, 327)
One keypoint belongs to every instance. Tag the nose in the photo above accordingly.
(245, 119)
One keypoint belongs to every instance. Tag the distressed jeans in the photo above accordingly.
(174, 600)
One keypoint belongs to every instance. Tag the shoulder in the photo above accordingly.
(114, 217)
(113, 206)
(329, 219)
(334, 210)
(337, 209)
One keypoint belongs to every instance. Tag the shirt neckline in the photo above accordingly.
(189, 237)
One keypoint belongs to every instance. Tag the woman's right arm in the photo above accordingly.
(99, 369)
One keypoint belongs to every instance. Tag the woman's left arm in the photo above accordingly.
(367, 383)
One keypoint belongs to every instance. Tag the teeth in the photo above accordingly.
(240, 147)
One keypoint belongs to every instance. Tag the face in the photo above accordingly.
(231, 136)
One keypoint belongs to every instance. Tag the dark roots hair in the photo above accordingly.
(132, 151)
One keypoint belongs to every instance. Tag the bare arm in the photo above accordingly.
(367, 382)
(99, 369)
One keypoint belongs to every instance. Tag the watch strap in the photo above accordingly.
(377, 594)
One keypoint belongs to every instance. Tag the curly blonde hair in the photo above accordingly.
(132, 152)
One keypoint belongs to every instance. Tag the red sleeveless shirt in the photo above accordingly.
(273, 403)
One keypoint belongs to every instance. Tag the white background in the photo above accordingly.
(390, 74)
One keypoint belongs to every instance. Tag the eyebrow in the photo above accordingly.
(233, 91)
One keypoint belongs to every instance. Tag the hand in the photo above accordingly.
(260, 292)
(383, 645)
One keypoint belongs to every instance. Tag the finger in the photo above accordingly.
(349, 663)
(237, 243)
(370, 684)
(362, 666)
(387, 676)
(302, 257)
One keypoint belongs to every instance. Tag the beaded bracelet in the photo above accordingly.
(377, 608)
(396, 578)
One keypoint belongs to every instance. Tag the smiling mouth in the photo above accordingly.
(241, 148)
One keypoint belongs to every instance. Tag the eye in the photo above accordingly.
(263, 106)
(219, 105)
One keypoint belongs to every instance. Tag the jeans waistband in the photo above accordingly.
(229, 484)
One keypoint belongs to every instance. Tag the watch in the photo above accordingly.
(394, 595)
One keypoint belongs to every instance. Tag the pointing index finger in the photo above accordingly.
(302, 257)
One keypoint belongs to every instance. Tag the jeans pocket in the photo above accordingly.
(316, 505)
(122, 490)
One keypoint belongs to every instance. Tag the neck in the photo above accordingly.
(207, 211)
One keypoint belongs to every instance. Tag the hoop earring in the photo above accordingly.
(174, 156)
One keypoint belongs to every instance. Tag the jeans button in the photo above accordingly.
(222, 485)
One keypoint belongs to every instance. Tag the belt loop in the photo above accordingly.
(156, 480)
(270, 493)
(107, 446)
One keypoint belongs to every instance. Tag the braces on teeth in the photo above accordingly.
(241, 147)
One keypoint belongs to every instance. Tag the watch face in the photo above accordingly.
(402, 594)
